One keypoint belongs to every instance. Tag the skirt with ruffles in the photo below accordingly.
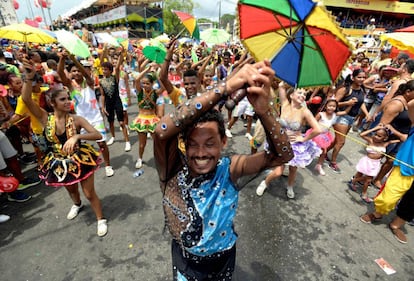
(145, 123)
(61, 170)
(323, 140)
(304, 153)
(369, 167)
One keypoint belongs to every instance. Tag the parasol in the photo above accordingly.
(403, 41)
(214, 36)
(107, 38)
(25, 33)
(155, 51)
(73, 43)
(190, 23)
(305, 46)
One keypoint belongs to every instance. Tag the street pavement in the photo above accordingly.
(316, 236)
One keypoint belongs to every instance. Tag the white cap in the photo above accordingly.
(86, 63)
(372, 20)
(8, 55)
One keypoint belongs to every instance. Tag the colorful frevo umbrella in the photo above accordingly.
(190, 22)
(300, 38)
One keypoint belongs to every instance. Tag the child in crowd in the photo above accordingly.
(369, 165)
(326, 119)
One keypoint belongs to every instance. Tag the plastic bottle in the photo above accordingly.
(138, 173)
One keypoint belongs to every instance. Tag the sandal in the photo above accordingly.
(352, 186)
(375, 186)
(368, 218)
(366, 199)
(398, 234)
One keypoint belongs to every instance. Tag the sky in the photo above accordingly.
(208, 8)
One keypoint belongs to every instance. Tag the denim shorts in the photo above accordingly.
(345, 120)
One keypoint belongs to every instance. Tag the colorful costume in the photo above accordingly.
(304, 152)
(400, 179)
(369, 166)
(201, 233)
(146, 123)
(60, 169)
(324, 139)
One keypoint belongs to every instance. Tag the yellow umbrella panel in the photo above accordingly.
(403, 41)
(25, 33)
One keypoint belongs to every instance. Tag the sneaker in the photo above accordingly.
(149, 135)
(109, 172)
(228, 133)
(327, 160)
(261, 188)
(74, 211)
(334, 167)
(138, 165)
(111, 141)
(4, 218)
(320, 170)
(102, 228)
(127, 146)
(18, 196)
(28, 182)
(411, 222)
(248, 136)
(290, 193)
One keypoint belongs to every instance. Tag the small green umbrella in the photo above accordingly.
(73, 43)
(155, 51)
(214, 36)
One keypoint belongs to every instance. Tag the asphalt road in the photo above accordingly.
(316, 236)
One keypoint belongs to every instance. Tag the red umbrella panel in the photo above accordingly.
(305, 46)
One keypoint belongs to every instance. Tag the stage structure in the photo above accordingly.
(125, 19)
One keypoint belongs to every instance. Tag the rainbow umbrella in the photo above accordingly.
(300, 38)
(403, 41)
(190, 23)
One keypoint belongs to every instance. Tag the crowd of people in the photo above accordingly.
(62, 105)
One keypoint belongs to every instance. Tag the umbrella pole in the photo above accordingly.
(179, 33)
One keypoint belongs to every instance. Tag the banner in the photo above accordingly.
(373, 5)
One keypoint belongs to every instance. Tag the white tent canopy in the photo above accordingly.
(88, 3)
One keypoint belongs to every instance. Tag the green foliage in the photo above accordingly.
(227, 19)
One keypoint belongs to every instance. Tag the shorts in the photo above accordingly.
(6, 150)
(115, 107)
(100, 127)
(189, 267)
(345, 120)
(244, 107)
